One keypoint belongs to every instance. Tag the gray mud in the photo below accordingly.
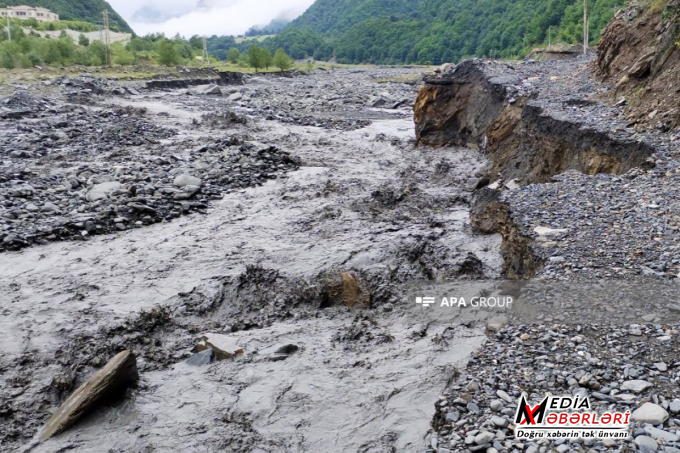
(255, 264)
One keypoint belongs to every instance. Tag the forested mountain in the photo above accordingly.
(272, 28)
(81, 10)
(436, 31)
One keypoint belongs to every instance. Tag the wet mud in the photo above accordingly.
(257, 262)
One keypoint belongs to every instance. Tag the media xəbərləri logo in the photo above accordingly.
(567, 417)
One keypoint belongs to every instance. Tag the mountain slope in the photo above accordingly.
(335, 17)
(84, 10)
(438, 31)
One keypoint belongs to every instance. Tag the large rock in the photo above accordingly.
(349, 291)
(642, 66)
(650, 413)
(636, 385)
(223, 346)
(184, 180)
(120, 373)
(103, 190)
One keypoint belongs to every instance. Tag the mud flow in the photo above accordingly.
(284, 215)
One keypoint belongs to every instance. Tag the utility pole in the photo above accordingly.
(206, 57)
(107, 38)
(549, 36)
(9, 29)
(585, 27)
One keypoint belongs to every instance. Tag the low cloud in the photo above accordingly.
(205, 17)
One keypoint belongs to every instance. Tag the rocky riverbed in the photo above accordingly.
(142, 219)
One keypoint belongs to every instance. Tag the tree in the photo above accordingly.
(233, 55)
(257, 57)
(282, 60)
(83, 40)
(98, 53)
(167, 53)
(266, 57)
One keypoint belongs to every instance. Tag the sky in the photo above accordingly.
(204, 17)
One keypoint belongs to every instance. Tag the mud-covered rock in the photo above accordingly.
(120, 373)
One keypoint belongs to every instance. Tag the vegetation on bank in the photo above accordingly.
(436, 31)
(28, 48)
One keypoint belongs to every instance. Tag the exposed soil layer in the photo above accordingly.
(522, 115)
(607, 206)
(638, 54)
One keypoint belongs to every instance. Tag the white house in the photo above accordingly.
(28, 12)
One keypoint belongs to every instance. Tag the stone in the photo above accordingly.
(496, 405)
(212, 90)
(674, 406)
(102, 191)
(512, 185)
(452, 417)
(484, 438)
(117, 375)
(184, 180)
(646, 444)
(641, 67)
(50, 208)
(636, 385)
(223, 346)
(499, 421)
(650, 413)
(504, 396)
(660, 434)
(661, 366)
(349, 292)
(235, 97)
(549, 232)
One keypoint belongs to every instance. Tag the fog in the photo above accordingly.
(204, 17)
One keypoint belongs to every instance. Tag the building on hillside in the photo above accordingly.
(28, 12)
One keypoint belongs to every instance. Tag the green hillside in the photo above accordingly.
(80, 10)
(436, 31)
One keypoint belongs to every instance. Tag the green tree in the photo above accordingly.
(257, 57)
(282, 60)
(233, 55)
(83, 40)
(266, 57)
(167, 53)
(97, 53)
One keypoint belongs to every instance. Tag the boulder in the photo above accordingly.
(650, 413)
(635, 385)
(642, 66)
(102, 191)
(223, 347)
(120, 373)
(184, 180)
(349, 291)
